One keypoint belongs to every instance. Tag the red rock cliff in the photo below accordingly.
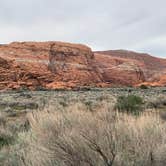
(65, 65)
(47, 64)
(131, 68)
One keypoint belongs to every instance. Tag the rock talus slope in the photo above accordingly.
(65, 65)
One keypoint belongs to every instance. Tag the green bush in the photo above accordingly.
(6, 139)
(143, 87)
(130, 104)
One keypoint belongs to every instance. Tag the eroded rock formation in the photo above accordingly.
(73, 63)
(48, 65)
(64, 65)
(131, 68)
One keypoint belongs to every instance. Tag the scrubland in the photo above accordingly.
(83, 128)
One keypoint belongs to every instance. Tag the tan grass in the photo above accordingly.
(78, 137)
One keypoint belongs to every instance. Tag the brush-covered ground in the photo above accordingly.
(88, 127)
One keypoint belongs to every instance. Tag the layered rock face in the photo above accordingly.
(73, 63)
(48, 65)
(131, 68)
(63, 65)
(119, 71)
(14, 75)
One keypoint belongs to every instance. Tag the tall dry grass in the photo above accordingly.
(77, 137)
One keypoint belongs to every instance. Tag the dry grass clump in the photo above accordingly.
(6, 135)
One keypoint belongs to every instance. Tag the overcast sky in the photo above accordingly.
(138, 25)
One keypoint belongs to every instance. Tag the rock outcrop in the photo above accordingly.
(63, 65)
(73, 62)
(120, 71)
(47, 65)
(131, 68)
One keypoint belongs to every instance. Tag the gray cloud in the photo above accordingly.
(107, 24)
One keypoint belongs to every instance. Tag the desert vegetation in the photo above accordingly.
(86, 129)
(129, 104)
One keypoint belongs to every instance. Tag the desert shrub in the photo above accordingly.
(6, 138)
(84, 138)
(25, 95)
(84, 88)
(2, 120)
(94, 105)
(90, 105)
(130, 104)
(22, 89)
(164, 90)
(23, 106)
(157, 103)
(163, 115)
(63, 102)
(75, 138)
(143, 86)
(40, 88)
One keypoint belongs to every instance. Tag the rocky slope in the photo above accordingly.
(64, 65)
(131, 68)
